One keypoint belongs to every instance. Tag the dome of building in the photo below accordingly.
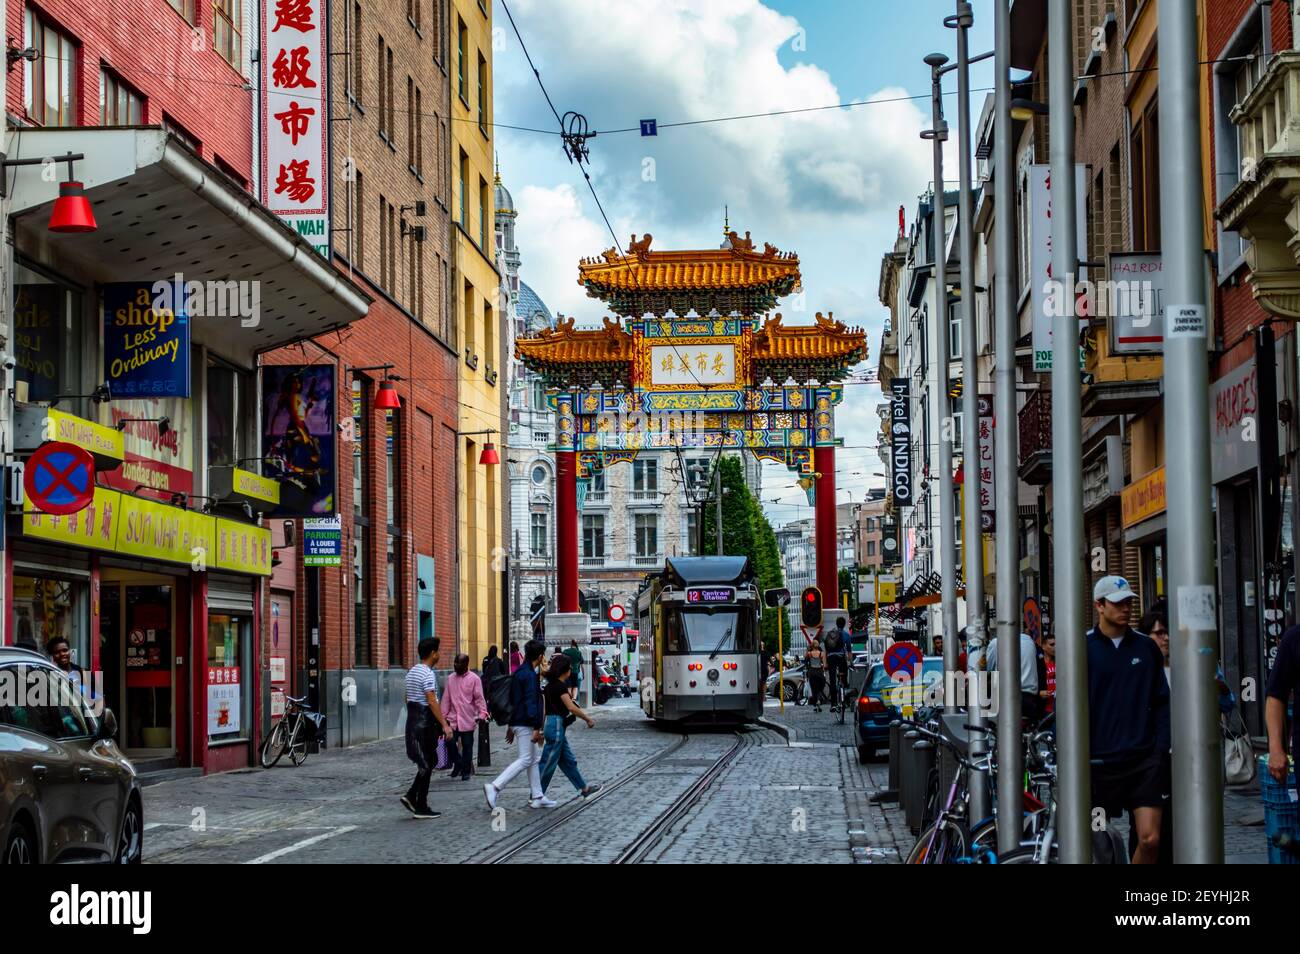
(502, 198)
(533, 310)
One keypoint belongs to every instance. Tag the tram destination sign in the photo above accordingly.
(711, 594)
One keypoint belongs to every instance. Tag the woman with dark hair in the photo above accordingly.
(492, 667)
(516, 658)
(560, 711)
(464, 706)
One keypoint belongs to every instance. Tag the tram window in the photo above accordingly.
(705, 632)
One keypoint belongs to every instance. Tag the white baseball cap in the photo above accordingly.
(1113, 588)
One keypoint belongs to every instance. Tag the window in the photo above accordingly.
(954, 332)
(690, 545)
(645, 478)
(50, 83)
(593, 536)
(49, 341)
(539, 535)
(471, 341)
(227, 21)
(230, 408)
(43, 702)
(410, 122)
(489, 336)
(645, 530)
(1233, 80)
(383, 240)
(436, 33)
(482, 94)
(1145, 162)
(185, 8)
(462, 82)
(871, 548)
(229, 707)
(119, 105)
(419, 133)
(597, 490)
(359, 220)
(539, 475)
(382, 95)
(181, 133)
(357, 70)
(539, 394)
(464, 187)
(46, 608)
(483, 214)
(361, 539)
(413, 13)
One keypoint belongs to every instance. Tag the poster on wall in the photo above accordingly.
(292, 117)
(146, 341)
(299, 444)
(223, 699)
(156, 444)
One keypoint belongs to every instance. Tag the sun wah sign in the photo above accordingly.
(146, 347)
(293, 117)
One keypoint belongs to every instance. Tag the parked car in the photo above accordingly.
(883, 699)
(794, 679)
(67, 793)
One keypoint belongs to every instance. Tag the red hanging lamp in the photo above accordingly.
(387, 397)
(72, 212)
(489, 457)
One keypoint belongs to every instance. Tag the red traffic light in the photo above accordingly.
(811, 613)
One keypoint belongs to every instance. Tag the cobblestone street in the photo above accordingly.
(794, 792)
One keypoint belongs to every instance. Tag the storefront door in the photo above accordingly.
(138, 653)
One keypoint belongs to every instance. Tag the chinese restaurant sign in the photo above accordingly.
(293, 117)
(987, 505)
(298, 437)
(146, 348)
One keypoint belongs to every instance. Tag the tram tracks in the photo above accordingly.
(650, 836)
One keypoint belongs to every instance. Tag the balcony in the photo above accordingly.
(642, 559)
(1121, 384)
(644, 497)
(1264, 206)
(593, 562)
(1036, 438)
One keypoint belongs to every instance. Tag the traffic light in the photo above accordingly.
(811, 606)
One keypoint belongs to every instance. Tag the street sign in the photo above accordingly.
(649, 127)
(617, 613)
(777, 596)
(322, 541)
(902, 657)
(60, 478)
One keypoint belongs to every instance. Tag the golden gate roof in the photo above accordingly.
(822, 350)
(736, 278)
(567, 355)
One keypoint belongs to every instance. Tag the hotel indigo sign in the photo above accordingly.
(146, 347)
(900, 442)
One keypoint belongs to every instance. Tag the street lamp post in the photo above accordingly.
(1069, 612)
(1197, 764)
(1010, 757)
(972, 532)
(938, 135)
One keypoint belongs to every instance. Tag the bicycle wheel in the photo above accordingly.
(274, 743)
(1027, 855)
(942, 843)
(298, 743)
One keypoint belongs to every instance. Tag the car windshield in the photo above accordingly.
(877, 679)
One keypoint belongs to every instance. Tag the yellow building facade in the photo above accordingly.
(480, 327)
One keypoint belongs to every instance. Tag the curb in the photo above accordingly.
(787, 732)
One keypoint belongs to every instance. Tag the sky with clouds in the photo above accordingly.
(826, 183)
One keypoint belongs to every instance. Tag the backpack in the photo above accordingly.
(499, 704)
(835, 641)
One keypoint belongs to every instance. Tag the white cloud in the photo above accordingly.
(553, 234)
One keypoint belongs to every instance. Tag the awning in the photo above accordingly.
(162, 210)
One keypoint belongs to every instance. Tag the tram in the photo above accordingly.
(699, 642)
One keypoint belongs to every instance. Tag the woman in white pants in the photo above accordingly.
(525, 729)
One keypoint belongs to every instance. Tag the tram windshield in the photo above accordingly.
(710, 631)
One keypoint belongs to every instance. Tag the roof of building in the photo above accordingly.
(733, 278)
(502, 200)
(530, 305)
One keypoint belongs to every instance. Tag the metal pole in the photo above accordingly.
(938, 134)
(1197, 765)
(1070, 614)
(780, 657)
(1005, 450)
(717, 470)
(980, 806)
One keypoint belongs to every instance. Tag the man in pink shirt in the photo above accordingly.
(463, 706)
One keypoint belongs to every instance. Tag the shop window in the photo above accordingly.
(50, 82)
(229, 705)
(119, 104)
(50, 340)
(227, 27)
(46, 608)
(230, 415)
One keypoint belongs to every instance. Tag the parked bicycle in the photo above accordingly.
(946, 838)
(297, 729)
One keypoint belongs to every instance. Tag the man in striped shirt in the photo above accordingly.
(422, 715)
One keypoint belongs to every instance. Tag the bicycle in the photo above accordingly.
(839, 688)
(292, 734)
(947, 839)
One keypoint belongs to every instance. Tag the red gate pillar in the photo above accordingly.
(827, 532)
(566, 530)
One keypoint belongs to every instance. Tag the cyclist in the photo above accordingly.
(837, 660)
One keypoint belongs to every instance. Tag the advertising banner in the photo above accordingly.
(293, 117)
(146, 348)
(157, 456)
(299, 440)
(988, 506)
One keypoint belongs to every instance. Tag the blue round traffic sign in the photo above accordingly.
(60, 478)
(902, 657)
